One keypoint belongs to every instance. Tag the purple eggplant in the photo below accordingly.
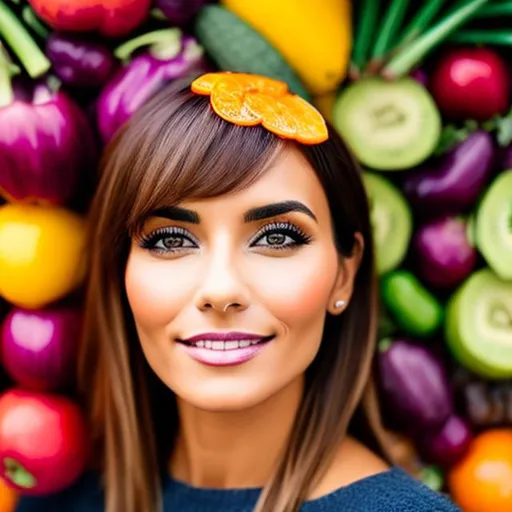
(170, 55)
(79, 62)
(455, 183)
(179, 12)
(414, 384)
(442, 253)
(506, 158)
(447, 445)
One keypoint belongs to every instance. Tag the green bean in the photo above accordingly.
(389, 28)
(421, 21)
(483, 37)
(364, 31)
(495, 10)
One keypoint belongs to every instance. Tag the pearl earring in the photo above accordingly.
(339, 303)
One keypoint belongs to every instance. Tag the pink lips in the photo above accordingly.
(224, 349)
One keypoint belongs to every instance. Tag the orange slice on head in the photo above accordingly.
(204, 84)
(257, 83)
(311, 126)
(276, 115)
(228, 101)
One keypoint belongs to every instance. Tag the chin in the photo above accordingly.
(223, 397)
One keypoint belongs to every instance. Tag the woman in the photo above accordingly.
(230, 322)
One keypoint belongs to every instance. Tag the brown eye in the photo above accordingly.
(276, 239)
(169, 240)
(280, 235)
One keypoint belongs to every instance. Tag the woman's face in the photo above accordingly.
(250, 276)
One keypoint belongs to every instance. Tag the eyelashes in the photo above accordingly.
(172, 239)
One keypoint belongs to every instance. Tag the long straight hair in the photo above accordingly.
(176, 148)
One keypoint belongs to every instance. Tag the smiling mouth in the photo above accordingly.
(217, 345)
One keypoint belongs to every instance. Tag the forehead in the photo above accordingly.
(291, 177)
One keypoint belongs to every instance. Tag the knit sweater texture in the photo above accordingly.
(391, 491)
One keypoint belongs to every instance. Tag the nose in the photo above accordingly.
(222, 288)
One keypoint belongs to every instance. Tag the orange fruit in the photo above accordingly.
(8, 497)
(42, 253)
(482, 480)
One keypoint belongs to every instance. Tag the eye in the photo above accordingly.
(280, 235)
(168, 240)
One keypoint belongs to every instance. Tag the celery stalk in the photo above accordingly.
(410, 56)
(20, 41)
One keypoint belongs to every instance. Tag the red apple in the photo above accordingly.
(43, 441)
(471, 83)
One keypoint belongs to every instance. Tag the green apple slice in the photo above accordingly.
(478, 327)
(391, 221)
(494, 225)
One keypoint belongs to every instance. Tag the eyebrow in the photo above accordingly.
(178, 213)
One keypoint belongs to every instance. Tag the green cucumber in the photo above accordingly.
(493, 225)
(411, 305)
(391, 221)
(478, 328)
(235, 46)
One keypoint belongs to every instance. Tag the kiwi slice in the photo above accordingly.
(391, 221)
(390, 125)
(493, 226)
(478, 326)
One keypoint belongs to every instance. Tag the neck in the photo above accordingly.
(235, 449)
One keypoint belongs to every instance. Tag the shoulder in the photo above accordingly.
(359, 480)
(85, 495)
(352, 462)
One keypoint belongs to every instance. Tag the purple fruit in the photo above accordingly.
(79, 62)
(448, 445)
(456, 181)
(442, 252)
(179, 12)
(414, 384)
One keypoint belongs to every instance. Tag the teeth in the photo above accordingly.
(225, 345)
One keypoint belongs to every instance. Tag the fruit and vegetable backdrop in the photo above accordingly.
(420, 90)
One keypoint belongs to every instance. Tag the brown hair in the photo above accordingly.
(176, 148)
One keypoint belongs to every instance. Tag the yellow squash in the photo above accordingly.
(314, 36)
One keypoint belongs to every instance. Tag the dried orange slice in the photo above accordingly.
(311, 126)
(256, 83)
(228, 101)
(204, 84)
(276, 116)
(248, 100)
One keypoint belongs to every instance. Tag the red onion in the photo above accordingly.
(442, 252)
(39, 348)
(447, 445)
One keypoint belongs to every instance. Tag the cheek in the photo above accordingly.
(155, 294)
(298, 289)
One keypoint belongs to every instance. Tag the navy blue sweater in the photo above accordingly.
(391, 491)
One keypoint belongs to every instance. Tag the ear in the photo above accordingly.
(344, 285)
